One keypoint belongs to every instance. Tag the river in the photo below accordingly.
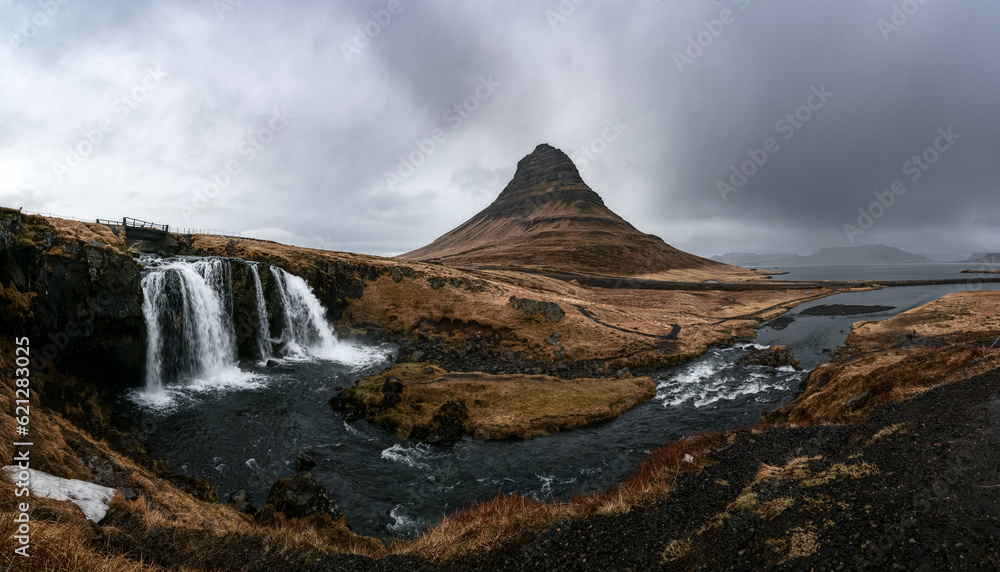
(243, 430)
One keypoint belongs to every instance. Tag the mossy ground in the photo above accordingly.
(498, 406)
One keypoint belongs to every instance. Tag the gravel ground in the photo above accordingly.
(915, 487)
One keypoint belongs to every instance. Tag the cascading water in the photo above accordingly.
(188, 311)
(305, 331)
(189, 306)
(263, 323)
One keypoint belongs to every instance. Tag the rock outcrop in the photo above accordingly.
(548, 219)
(83, 296)
(774, 356)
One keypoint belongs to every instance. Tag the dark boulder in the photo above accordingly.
(300, 497)
(393, 385)
(198, 488)
(303, 462)
(241, 501)
(550, 310)
(447, 424)
(774, 356)
(349, 404)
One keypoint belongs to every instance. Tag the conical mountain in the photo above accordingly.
(548, 219)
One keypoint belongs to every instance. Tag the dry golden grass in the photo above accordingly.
(797, 468)
(840, 470)
(881, 362)
(802, 469)
(58, 546)
(773, 508)
(800, 543)
(676, 549)
(452, 314)
(896, 428)
(75, 232)
(746, 501)
(486, 525)
(502, 406)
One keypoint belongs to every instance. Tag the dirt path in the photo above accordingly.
(674, 328)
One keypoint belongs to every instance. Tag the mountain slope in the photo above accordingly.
(548, 219)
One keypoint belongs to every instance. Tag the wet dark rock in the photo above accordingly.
(348, 403)
(774, 356)
(241, 501)
(198, 488)
(299, 497)
(856, 402)
(303, 462)
(393, 385)
(391, 399)
(448, 423)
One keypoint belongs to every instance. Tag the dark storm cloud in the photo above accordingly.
(377, 126)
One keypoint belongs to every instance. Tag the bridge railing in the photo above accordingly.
(136, 223)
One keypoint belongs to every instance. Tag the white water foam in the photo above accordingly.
(306, 332)
(191, 338)
(411, 456)
(263, 324)
(715, 377)
(402, 524)
(191, 349)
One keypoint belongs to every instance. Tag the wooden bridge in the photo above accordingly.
(155, 235)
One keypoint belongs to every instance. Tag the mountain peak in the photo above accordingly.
(547, 218)
(546, 174)
(545, 163)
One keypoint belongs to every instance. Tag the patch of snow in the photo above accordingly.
(92, 498)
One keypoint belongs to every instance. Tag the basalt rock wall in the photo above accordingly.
(79, 302)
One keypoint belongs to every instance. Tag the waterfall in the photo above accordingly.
(189, 306)
(263, 324)
(188, 311)
(306, 330)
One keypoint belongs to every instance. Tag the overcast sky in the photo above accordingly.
(375, 127)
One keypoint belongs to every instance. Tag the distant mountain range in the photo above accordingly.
(868, 254)
(984, 258)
